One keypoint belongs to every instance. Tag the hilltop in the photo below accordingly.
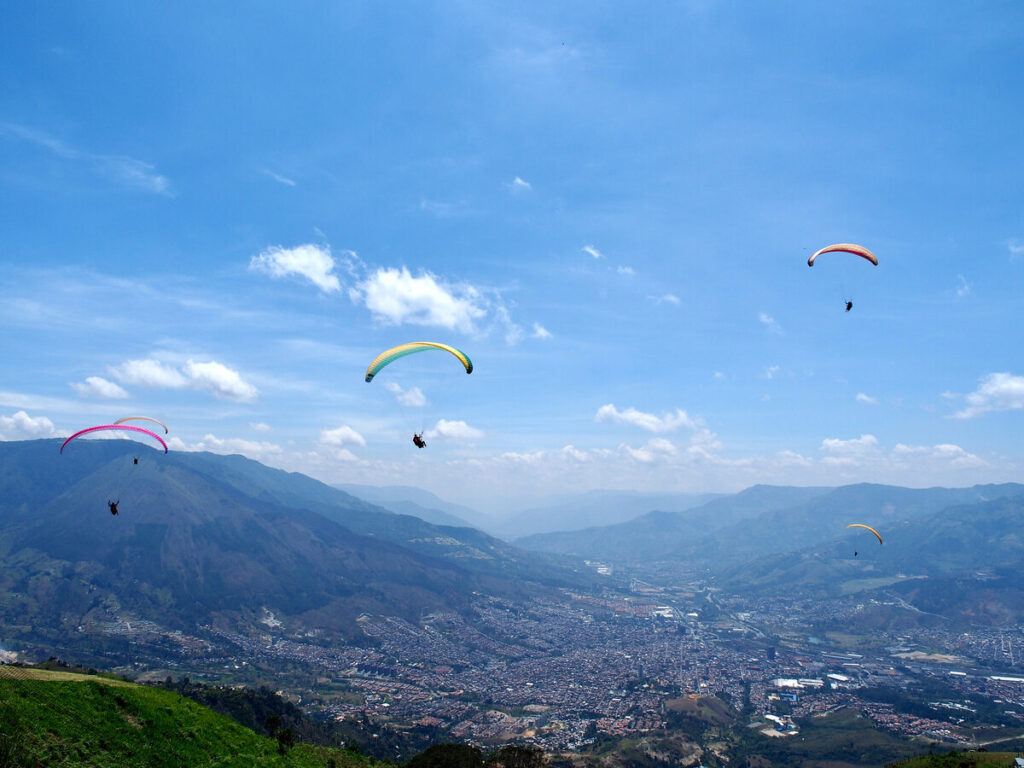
(59, 718)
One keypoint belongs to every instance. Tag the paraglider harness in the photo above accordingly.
(849, 306)
(418, 440)
(113, 506)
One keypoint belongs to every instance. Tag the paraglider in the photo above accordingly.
(143, 418)
(389, 356)
(857, 250)
(867, 527)
(126, 427)
(121, 477)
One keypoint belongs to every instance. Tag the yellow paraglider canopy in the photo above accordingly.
(861, 525)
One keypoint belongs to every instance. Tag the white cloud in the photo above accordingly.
(149, 373)
(453, 430)
(97, 386)
(519, 185)
(412, 398)
(342, 436)
(212, 377)
(947, 453)
(592, 251)
(671, 298)
(21, 426)
(770, 371)
(851, 452)
(867, 399)
(1016, 247)
(625, 270)
(769, 321)
(657, 448)
(279, 178)
(259, 426)
(310, 261)
(540, 332)
(995, 392)
(719, 376)
(570, 451)
(220, 381)
(395, 297)
(963, 288)
(667, 422)
(252, 449)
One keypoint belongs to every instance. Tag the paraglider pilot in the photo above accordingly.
(135, 460)
(419, 441)
(849, 306)
(113, 506)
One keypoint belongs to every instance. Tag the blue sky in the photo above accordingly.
(218, 219)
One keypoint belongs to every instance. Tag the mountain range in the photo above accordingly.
(203, 539)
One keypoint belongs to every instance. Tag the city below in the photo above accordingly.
(560, 674)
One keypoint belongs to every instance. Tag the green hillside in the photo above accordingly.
(57, 718)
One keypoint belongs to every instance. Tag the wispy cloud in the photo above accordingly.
(1016, 247)
(768, 321)
(667, 422)
(866, 399)
(592, 251)
(625, 270)
(118, 168)
(540, 332)
(671, 298)
(963, 288)
(518, 185)
(995, 392)
(279, 178)
(259, 426)
(97, 386)
(442, 209)
(770, 371)
(310, 261)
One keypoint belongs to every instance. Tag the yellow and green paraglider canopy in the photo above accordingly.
(390, 355)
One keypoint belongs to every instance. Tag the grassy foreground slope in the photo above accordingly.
(55, 718)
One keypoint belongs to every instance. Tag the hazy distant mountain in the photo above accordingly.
(594, 508)
(408, 500)
(824, 517)
(961, 563)
(759, 521)
(670, 535)
(214, 539)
